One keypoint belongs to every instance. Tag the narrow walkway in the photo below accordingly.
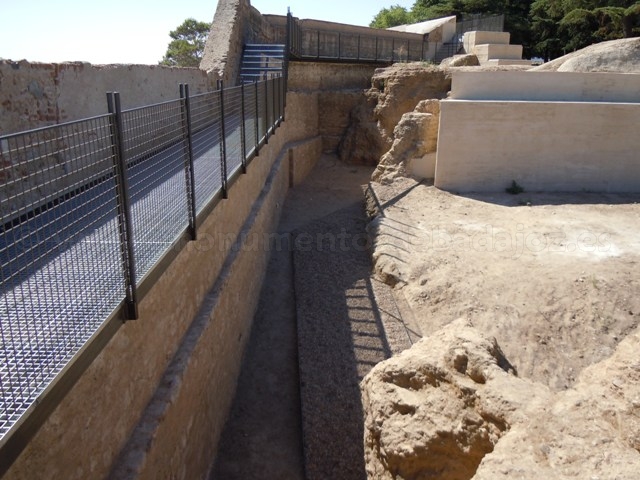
(325, 316)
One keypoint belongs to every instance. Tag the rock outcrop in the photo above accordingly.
(451, 407)
(437, 409)
(621, 56)
(414, 145)
(590, 431)
(396, 90)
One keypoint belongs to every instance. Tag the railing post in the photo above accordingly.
(318, 44)
(188, 153)
(243, 139)
(257, 121)
(376, 56)
(358, 47)
(339, 51)
(422, 50)
(266, 112)
(223, 143)
(125, 223)
(274, 117)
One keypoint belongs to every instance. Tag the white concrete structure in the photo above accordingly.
(493, 48)
(552, 132)
(439, 29)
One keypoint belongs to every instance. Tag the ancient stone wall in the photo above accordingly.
(34, 95)
(235, 24)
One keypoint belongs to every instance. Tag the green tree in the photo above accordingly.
(560, 26)
(391, 17)
(187, 44)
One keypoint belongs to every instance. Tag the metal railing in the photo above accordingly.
(90, 207)
(328, 45)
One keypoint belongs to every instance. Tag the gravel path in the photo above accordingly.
(297, 411)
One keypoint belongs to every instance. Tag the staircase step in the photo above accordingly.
(261, 60)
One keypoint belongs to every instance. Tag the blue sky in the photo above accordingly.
(136, 31)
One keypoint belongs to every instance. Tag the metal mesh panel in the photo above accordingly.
(61, 264)
(232, 122)
(155, 153)
(250, 117)
(205, 126)
(262, 108)
(62, 247)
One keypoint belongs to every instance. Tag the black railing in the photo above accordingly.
(332, 45)
(90, 208)
(329, 45)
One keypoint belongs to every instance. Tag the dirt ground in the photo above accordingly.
(552, 276)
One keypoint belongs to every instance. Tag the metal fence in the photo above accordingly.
(90, 207)
(329, 45)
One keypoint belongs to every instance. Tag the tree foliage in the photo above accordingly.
(187, 44)
(548, 28)
(391, 17)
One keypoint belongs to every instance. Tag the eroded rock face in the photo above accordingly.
(451, 407)
(414, 145)
(396, 90)
(402, 87)
(437, 409)
(621, 56)
(363, 144)
(589, 431)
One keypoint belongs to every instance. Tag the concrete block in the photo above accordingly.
(549, 86)
(489, 51)
(471, 39)
(544, 146)
(505, 61)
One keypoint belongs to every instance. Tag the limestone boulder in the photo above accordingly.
(622, 56)
(466, 60)
(438, 408)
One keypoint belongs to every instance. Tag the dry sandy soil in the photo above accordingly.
(553, 277)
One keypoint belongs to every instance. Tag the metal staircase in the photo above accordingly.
(261, 62)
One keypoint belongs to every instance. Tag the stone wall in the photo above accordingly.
(339, 89)
(34, 95)
(154, 401)
(235, 23)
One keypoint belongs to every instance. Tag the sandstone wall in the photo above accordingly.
(154, 401)
(235, 24)
(34, 95)
(339, 88)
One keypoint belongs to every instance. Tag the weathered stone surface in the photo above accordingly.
(396, 90)
(438, 408)
(334, 109)
(466, 60)
(415, 137)
(362, 143)
(621, 56)
(402, 87)
(590, 431)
